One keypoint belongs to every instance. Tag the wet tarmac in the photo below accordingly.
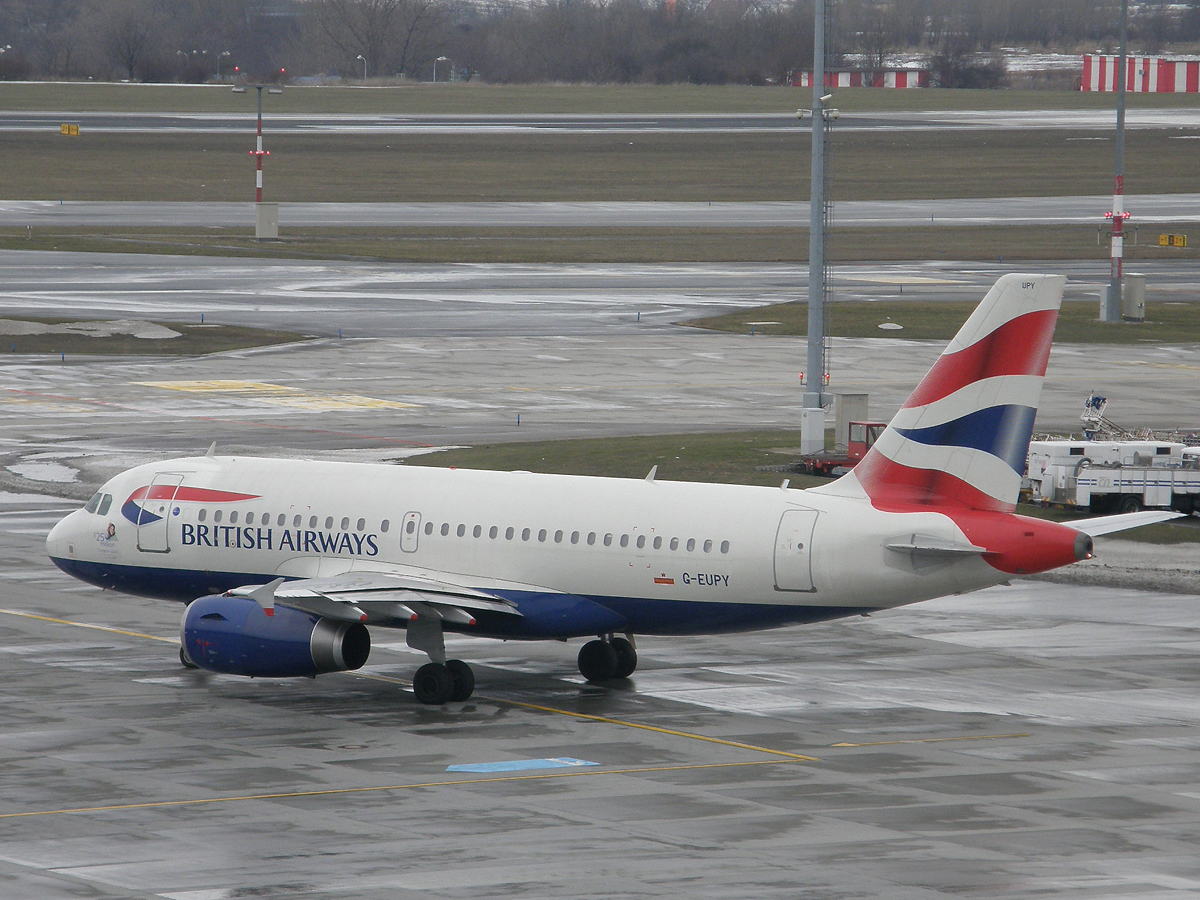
(1031, 740)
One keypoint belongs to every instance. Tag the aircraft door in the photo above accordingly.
(410, 532)
(793, 550)
(155, 513)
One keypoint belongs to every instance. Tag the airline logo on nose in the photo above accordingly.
(134, 508)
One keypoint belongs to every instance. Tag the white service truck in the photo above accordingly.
(1114, 476)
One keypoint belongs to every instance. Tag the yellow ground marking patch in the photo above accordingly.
(280, 395)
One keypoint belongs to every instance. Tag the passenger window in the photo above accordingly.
(477, 531)
(217, 515)
(724, 546)
(282, 520)
(312, 521)
(361, 525)
(624, 540)
(708, 546)
(508, 533)
(328, 523)
(429, 528)
(105, 504)
(658, 542)
(542, 535)
(233, 516)
(462, 529)
(385, 525)
(524, 534)
(574, 537)
(345, 523)
(641, 541)
(445, 528)
(202, 515)
(691, 545)
(493, 532)
(608, 540)
(558, 536)
(249, 518)
(674, 543)
(591, 538)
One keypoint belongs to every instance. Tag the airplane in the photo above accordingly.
(284, 563)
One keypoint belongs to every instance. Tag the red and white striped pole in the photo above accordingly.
(258, 153)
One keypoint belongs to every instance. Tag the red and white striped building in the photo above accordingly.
(884, 78)
(1143, 75)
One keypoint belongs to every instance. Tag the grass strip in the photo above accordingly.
(585, 244)
(580, 99)
(1175, 322)
(605, 167)
(192, 340)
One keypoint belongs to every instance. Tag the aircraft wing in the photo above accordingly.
(378, 597)
(1109, 524)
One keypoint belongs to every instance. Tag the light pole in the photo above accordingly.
(220, 56)
(266, 218)
(1111, 308)
(364, 62)
(435, 62)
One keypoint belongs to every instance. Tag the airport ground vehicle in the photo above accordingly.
(1115, 475)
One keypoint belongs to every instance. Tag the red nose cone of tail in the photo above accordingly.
(1020, 545)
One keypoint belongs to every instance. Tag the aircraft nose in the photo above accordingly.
(60, 542)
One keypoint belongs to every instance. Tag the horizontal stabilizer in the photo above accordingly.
(1123, 522)
(928, 545)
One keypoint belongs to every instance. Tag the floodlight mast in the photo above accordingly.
(1112, 312)
(814, 397)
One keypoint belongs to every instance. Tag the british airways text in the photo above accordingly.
(248, 537)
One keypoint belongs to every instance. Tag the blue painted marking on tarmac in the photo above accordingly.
(521, 765)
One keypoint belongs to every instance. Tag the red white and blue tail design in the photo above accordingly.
(961, 438)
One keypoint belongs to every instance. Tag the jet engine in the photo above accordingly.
(235, 636)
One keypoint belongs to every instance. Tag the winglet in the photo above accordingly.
(212, 450)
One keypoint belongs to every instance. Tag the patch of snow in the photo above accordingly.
(45, 471)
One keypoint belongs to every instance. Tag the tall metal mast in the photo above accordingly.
(812, 434)
(1112, 308)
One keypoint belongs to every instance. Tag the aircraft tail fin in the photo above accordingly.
(961, 438)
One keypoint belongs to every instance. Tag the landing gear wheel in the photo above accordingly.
(1130, 504)
(433, 684)
(464, 680)
(597, 661)
(626, 657)
(186, 660)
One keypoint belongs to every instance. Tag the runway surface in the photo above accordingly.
(616, 123)
(1029, 740)
(1157, 208)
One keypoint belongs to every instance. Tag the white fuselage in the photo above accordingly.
(662, 553)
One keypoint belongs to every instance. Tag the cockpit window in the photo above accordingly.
(105, 504)
(94, 503)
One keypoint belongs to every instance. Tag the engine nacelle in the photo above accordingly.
(235, 636)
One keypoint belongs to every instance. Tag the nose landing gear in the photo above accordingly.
(608, 658)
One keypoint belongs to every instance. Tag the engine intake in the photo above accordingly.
(234, 636)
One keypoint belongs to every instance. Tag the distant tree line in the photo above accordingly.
(651, 41)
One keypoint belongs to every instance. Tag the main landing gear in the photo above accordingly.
(607, 658)
(440, 680)
(449, 682)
